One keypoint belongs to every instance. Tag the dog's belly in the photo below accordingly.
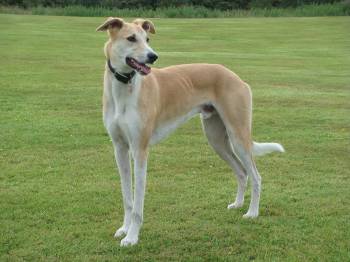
(165, 129)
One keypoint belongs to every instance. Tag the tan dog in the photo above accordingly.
(141, 106)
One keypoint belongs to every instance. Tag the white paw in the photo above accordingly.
(128, 241)
(121, 232)
(250, 214)
(234, 205)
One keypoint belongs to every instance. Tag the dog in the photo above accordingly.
(141, 106)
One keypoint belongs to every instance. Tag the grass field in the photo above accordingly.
(60, 197)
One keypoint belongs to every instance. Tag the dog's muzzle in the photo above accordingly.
(142, 68)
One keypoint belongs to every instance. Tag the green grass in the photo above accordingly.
(335, 9)
(60, 196)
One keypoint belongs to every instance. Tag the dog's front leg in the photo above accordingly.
(140, 172)
(121, 151)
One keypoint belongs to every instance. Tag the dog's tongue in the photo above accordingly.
(139, 67)
(144, 69)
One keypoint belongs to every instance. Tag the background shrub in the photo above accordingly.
(153, 4)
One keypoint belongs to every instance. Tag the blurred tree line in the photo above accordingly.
(152, 4)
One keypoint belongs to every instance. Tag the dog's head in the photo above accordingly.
(128, 44)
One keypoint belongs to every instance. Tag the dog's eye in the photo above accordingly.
(147, 39)
(131, 38)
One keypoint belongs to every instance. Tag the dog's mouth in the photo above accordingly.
(142, 68)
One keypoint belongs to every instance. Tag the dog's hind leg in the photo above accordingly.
(235, 108)
(248, 163)
(217, 136)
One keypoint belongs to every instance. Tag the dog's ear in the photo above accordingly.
(110, 23)
(147, 25)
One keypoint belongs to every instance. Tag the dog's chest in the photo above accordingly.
(122, 118)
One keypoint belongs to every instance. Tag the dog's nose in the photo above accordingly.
(152, 57)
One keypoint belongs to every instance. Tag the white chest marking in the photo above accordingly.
(122, 119)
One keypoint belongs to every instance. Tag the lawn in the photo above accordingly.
(60, 196)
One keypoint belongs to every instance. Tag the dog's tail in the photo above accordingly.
(260, 149)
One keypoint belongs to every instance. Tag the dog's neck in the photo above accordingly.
(125, 78)
(121, 72)
(122, 90)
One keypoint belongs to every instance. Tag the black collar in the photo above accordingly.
(125, 77)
